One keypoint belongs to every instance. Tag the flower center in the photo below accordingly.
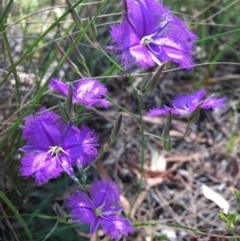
(56, 151)
(146, 40)
(98, 211)
(85, 89)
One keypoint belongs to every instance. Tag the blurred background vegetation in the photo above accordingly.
(29, 57)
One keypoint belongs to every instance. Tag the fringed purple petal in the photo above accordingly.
(186, 101)
(90, 92)
(124, 36)
(116, 227)
(94, 226)
(158, 112)
(79, 199)
(144, 15)
(128, 47)
(213, 102)
(141, 56)
(66, 165)
(81, 146)
(185, 105)
(176, 43)
(32, 149)
(169, 50)
(105, 194)
(43, 129)
(81, 208)
(59, 86)
(40, 167)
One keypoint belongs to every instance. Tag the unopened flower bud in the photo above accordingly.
(195, 115)
(63, 112)
(60, 213)
(75, 68)
(188, 131)
(78, 54)
(151, 84)
(92, 29)
(116, 129)
(69, 99)
(145, 81)
(166, 133)
(75, 16)
(60, 49)
(71, 64)
(167, 144)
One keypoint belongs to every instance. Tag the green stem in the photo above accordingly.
(143, 144)
(120, 107)
(218, 35)
(110, 59)
(175, 225)
(143, 141)
(6, 44)
(140, 118)
(83, 178)
(6, 10)
(51, 231)
(153, 135)
(75, 179)
(94, 162)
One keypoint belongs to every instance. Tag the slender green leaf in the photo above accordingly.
(17, 215)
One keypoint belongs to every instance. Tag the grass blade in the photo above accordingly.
(17, 215)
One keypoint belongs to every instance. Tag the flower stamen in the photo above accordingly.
(56, 150)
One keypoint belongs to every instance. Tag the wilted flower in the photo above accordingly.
(186, 104)
(100, 209)
(149, 34)
(89, 92)
(53, 147)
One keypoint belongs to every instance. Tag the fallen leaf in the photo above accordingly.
(126, 205)
(158, 161)
(216, 198)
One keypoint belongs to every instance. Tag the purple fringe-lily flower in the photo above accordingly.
(150, 34)
(89, 92)
(185, 105)
(100, 209)
(53, 147)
